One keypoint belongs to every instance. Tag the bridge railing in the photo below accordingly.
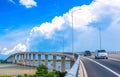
(75, 68)
(114, 52)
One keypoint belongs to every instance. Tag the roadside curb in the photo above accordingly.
(82, 71)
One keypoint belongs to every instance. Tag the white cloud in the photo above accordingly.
(18, 48)
(28, 3)
(47, 29)
(81, 19)
(12, 1)
(86, 23)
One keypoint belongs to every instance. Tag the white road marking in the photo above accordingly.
(117, 74)
(83, 69)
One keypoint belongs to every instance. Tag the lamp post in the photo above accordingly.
(63, 40)
(73, 30)
(100, 39)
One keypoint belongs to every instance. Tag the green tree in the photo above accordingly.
(60, 74)
(51, 74)
(5, 76)
(41, 70)
(19, 76)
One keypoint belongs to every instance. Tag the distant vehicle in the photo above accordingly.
(87, 53)
(101, 54)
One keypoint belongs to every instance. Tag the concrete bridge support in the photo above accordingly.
(23, 59)
(26, 58)
(17, 59)
(29, 59)
(39, 59)
(71, 63)
(54, 62)
(13, 59)
(63, 63)
(20, 58)
(46, 60)
(34, 55)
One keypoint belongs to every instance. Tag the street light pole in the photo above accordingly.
(73, 30)
(100, 40)
(72, 36)
(63, 40)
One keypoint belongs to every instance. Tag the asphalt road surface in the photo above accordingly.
(101, 67)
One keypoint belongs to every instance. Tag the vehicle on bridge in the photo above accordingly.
(87, 53)
(101, 54)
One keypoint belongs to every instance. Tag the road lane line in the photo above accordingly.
(117, 74)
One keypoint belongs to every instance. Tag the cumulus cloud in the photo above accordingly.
(28, 3)
(86, 23)
(47, 29)
(18, 48)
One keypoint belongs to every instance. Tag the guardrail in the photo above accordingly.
(114, 52)
(74, 70)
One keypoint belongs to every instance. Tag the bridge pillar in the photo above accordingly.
(13, 59)
(54, 62)
(23, 59)
(46, 60)
(34, 59)
(26, 59)
(29, 59)
(17, 59)
(71, 63)
(20, 58)
(63, 63)
(39, 59)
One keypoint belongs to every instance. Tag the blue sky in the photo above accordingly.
(15, 17)
(39, 25)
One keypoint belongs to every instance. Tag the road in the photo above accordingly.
(101, 67)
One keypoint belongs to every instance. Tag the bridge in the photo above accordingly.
(81, 66)
(31, 58)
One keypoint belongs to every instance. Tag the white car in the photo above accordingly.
(101, 54)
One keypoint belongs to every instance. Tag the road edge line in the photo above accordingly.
(82, 71)
(115, 73)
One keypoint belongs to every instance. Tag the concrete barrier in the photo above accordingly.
(75, 68)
